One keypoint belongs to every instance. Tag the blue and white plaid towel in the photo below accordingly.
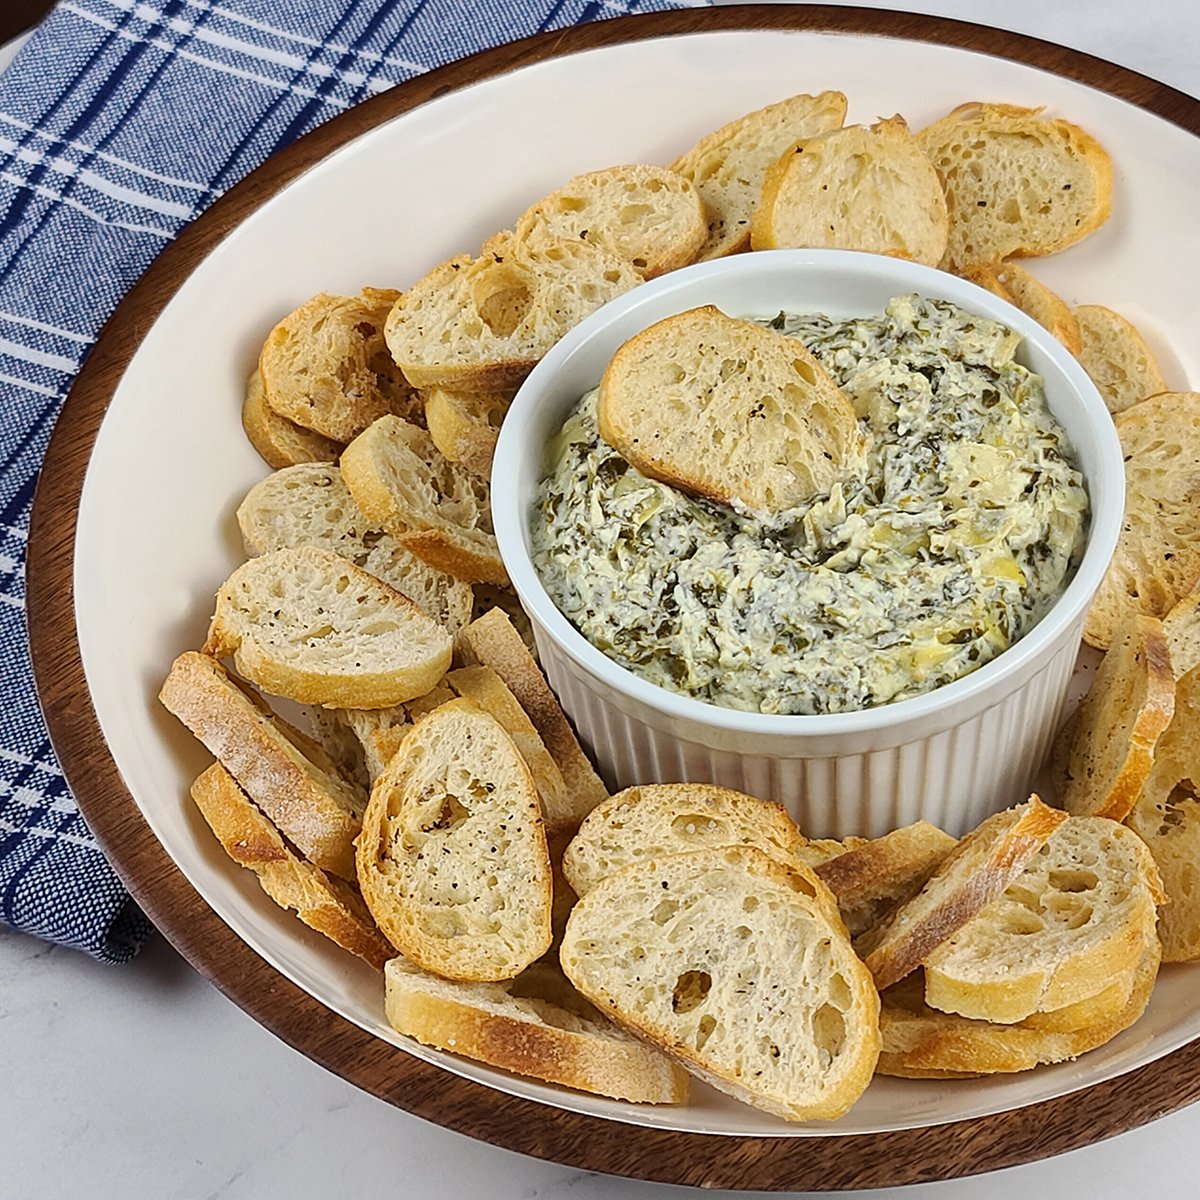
(120, 121)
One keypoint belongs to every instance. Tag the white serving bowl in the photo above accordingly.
(951, 756)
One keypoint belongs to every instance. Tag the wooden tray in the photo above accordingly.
(818, 1163)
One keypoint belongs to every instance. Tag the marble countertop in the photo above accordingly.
(144, 1081)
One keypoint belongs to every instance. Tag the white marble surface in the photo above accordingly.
(143, 1081)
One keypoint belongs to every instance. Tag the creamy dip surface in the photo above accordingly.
(964, 530)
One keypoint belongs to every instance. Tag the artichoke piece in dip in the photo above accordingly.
(965, 529)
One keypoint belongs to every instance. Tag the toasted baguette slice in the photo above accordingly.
(649, 216)
(326, 366)
(771, 434)
(310, 505)
(730, 962)
(873, 878)
(492, 641)
(464, 426)
(440, 512)
(528, 1036)
(484, 688)
(1107, 748)
(973, 874)
(1157, 561)
(657, 819)
(315, 808)
(921, 1043)
(480, 324)
(861, 188)
(1016, 183)
(309, 625)
(1083, 909)
(323, 902)
(452, 860)
(282, 443)
(728, 166)
(1116, 358)
(1167, 817)
(1016, 285)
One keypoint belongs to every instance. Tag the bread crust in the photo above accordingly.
(1013, 283)
(1167, 813)
(340, 745)
(441, 549)
(326, 367)
(870, 879)
(541, 1040)
(975, 872)
(1181, 626)
(365, 739)
(481, 324)
(920, 1043)
(484, 688)
(317, 811)
(1084, 909)
(487, 597)
(309, 505)
(1096, 1009)
(1038, 993)
(821, 850)
(492, 640)
(503, 373)
(441, 693)
(464, 426)
(280, 442)
(323, 902)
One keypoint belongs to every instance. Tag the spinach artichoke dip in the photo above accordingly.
(965, 529)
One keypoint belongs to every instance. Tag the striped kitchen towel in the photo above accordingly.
(120, 121)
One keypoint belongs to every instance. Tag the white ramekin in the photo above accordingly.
(952, 756)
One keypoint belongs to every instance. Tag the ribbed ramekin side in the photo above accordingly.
(954, 778)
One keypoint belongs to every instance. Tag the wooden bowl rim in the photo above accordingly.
(716, 1161)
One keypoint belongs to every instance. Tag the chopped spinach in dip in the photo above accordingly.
(965, 529)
